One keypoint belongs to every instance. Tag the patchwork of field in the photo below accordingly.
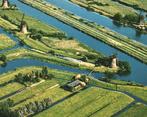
(89, 102)
(97, 99)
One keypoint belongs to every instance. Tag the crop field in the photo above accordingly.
(5, 42)
(90, 102)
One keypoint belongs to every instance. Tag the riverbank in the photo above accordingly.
(120, 13)
(114, 39)
(105, 7)
(136, 4)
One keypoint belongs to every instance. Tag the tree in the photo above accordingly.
(5, 109)
(3, 58)
(118, 17)
(44, 72)
(131, 18)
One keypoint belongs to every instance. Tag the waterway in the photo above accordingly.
(100, 19)
(139, 70)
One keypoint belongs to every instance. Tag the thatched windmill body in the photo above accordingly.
(113, 61)
(23, 26)
(5, 4)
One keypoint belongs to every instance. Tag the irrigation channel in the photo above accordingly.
(139, 70)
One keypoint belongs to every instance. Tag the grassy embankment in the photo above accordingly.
(114, 39)
(6, 42)
(105, 7)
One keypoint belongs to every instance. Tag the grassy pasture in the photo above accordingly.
(137, 110)
(90, 102)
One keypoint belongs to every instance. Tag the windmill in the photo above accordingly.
(5, 4)
(114, 61)
(23, 25)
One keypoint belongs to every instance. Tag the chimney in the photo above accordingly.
(5, 4)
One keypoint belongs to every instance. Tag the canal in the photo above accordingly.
(100, 19)
(139, 70)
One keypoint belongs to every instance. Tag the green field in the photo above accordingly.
(10, 88)
(137, 110)
(42, 88)
(142, 4)
(105, 7)
(6, 42)
(138, 91)
(90, 102)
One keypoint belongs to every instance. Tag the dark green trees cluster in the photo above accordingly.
(38, 34)
(129, 18)
(103, 61)
(3, 58)
(125, 68)
(34, 76)
(5, 109)
(34, 107)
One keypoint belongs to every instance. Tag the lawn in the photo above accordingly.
(137, 110)
(90, 102)
(6, 42)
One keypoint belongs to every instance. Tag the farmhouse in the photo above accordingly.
(76, 85)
